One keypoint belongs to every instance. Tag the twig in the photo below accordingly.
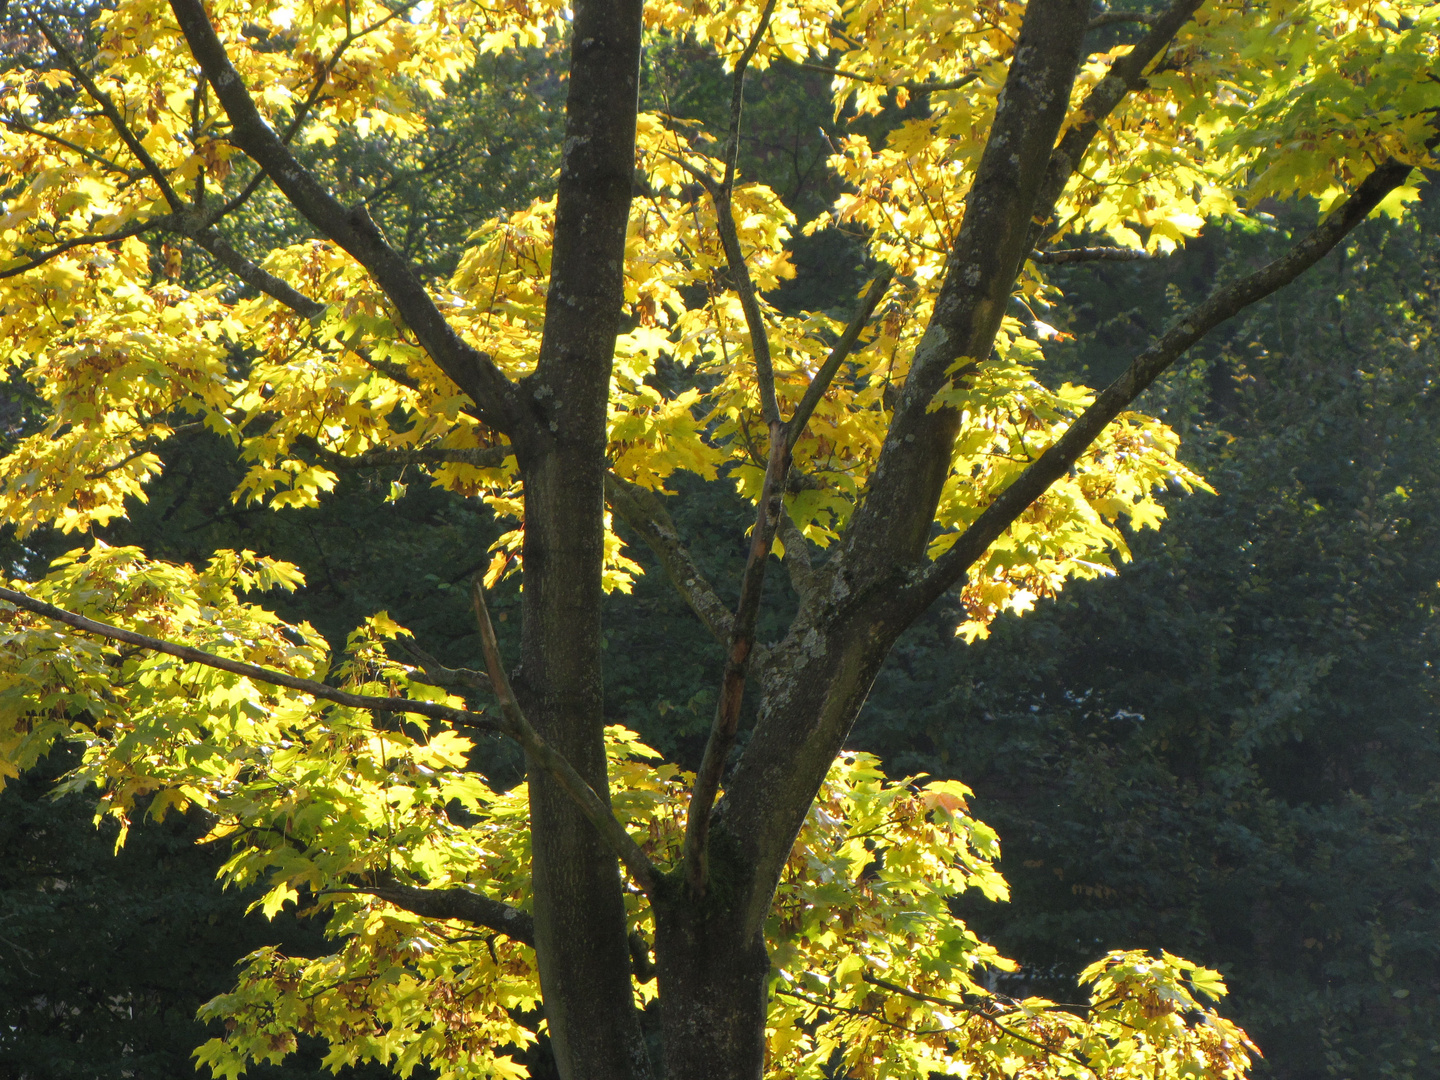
(895, 988)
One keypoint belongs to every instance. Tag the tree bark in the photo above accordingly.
(580, 934)
(713, 979)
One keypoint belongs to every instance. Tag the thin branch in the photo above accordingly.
(431, 709)
(460, 904)
(643, 511)
(768, 511)
(737, 95)
(1126, 75)
(595, 809)
(112, 113)
(912, 87)
(512, 722)
(437, 674)
(838, 355)
(87, 240)
(1194, 324)
(1063, 256)
(960, 1006)
(351, 228)
(76, 148)
(252, 274)
(482, 457)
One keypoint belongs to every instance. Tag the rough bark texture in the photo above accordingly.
(713, 978)
(818, 679)
(580, 933)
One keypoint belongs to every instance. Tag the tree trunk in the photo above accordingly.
(580, 931)
(713, 976)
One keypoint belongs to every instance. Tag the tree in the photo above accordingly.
(924, 453)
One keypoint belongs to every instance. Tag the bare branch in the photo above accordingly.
(1194, 324)
(594, 808)
(437, 674)
(838, 355)
(643, 511)
(350, 228)
(1062, 256)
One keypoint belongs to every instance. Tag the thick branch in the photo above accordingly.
(643, 511)
(460, 904)
(595, 809)
(892, 525)
(352, 229)
(1062, 256)
(1223, 303)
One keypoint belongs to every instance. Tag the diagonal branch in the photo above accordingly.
(1194, 324)
(430, 709)
(1126, 75)
(512, 722)
(596, 810)
(738, 654)
(85, 241)
(640, 509)
(838, 355)
(112, 113)
(351, 228)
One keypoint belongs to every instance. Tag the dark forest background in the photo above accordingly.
(1228, 750)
